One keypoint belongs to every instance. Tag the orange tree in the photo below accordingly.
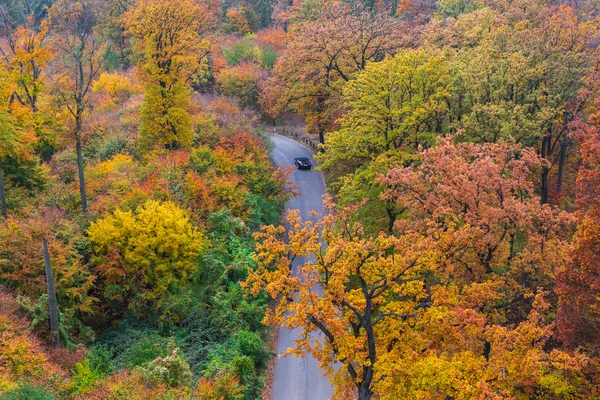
(579, 285)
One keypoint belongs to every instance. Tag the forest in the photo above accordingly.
(146, 249)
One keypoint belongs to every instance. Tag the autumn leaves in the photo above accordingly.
(459, 281)
(449, 268)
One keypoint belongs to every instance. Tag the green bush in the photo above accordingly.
(172, 370)
(250, 344)
(132, 343)
(111, 147)
(268, 57)
(241, 51)
(85, 377)
(201, 159)
(246, 51)
(100, 358)
(145, 349)
(28, 392)
(454, 8)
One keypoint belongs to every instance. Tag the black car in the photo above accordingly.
(302, 163)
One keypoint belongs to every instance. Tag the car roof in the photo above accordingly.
(302, 158)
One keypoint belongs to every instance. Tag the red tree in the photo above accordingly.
(579, 282)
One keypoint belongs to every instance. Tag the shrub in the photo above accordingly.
(172, 370)
(28, 392)
(241, 82)
(85, 378)
(268, 57)
(241, 51)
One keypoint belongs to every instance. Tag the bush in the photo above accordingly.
(245, 50)
(201, 159)
(131, 344)
(250, 344)
(85, 378)
(100, 358)
(172, 370)
(268, 57)
(111, 147)
(241, 51)
(28, 392)
(241, 82)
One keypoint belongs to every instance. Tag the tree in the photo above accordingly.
(16, 142)
(22, 264)
(79, 58)
(396, 104)
(579, 282)
(25, 57)
(174, 52)
(240, 81)
(321, 55)
(358, 274)
(459, 288)
(518, 75)
(501, 251)
(394, 107)
(18, 12)
(241, 20)
(143, 255)
(110, 26)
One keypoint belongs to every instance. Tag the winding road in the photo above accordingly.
(298, 378)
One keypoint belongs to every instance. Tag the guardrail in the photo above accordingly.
(310, 142)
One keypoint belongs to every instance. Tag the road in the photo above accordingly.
(298, 378)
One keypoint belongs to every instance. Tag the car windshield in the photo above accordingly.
(302, 159)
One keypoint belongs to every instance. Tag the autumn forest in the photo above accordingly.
(158, 242)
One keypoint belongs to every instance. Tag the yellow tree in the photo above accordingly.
(8, 134)
(371, 288)
(15, 141)
(26, 56)
(174, 52)
(394, 106)
(145, 254)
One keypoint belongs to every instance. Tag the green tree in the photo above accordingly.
(519, 77)
(395, 106)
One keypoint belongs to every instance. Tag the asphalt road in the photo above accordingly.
(298, 378)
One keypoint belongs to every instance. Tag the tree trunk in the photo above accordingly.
(545, 170)
(2, 195)
(561, 164)
(321, 138)
(81, 174)
(52, 303)
(364, 392)
(545, 190)
(391, 219)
